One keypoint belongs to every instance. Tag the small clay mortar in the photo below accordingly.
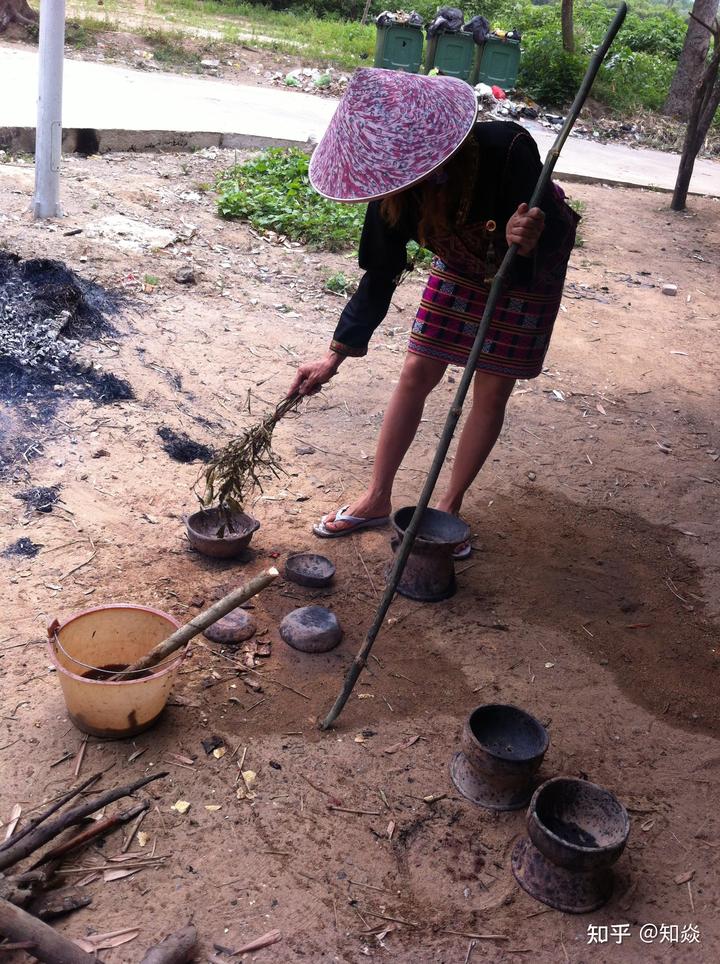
(577, 831)
(220, 533)
(309, 569)
(311, 629)
(501, 750)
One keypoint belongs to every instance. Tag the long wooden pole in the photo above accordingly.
(200, 623)
(406, 545)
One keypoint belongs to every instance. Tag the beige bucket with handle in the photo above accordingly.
(93, 645)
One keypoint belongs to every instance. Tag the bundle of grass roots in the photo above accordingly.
(240, 467)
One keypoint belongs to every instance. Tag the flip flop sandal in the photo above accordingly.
(356, 523)
(462, 550)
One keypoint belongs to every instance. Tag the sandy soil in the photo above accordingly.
(595, 549)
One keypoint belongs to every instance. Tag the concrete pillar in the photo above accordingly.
(48, 137)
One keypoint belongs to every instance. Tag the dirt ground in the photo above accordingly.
(592, 598)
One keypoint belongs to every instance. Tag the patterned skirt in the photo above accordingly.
(450, 312)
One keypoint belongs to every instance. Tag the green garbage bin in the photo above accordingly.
(399, 46)
(499, 62)
(453, 54)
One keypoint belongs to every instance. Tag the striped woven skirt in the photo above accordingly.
(450, 312)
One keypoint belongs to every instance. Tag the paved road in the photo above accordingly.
(108, 97)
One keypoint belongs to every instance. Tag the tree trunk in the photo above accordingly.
(568, 31)
(703, 107)
(16, 11)
(692, 61)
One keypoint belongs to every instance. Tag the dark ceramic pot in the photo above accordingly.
(577, 831)
(429, 574)
(502, 748)
(237, 530)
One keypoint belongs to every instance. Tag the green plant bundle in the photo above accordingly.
(239, 468)
(273, 193)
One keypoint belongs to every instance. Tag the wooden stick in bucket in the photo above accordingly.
(199, 624)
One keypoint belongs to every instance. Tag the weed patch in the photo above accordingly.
(170, 48)
(84, 32)
(272, 192)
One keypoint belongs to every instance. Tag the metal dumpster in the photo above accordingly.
(399, 46)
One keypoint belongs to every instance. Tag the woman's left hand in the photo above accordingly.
(524, 229)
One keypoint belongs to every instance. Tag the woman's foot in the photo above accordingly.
(463, 549)
(366, 512)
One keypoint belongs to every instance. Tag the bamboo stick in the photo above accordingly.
(200, 623)
(405, 548)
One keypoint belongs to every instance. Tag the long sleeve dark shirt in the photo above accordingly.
(508, 169)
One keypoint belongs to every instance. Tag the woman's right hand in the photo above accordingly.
(312, 375)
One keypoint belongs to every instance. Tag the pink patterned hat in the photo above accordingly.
(390, 130)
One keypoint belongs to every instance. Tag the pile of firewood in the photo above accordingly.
(27, 900)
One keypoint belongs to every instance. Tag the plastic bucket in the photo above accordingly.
(100, 641)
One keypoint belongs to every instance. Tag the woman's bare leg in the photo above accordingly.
(418, 378)
(480, 432)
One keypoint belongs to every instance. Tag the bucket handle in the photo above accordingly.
(54, 638)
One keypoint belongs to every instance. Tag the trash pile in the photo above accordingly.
(447, 20)
(411, 19)
(494, 102)
(313, 80)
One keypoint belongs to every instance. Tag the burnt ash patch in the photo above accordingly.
(40, 497)
(182, 448)
(46, 311)
(25, 548)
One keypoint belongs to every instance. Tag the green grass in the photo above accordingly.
(337, 283)
(83, 32)
(169, 48)
(341, 43)
(419, 257)
(272, 192)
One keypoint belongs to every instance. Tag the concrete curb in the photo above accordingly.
(87, 140)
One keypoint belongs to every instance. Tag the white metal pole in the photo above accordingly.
(48, 135)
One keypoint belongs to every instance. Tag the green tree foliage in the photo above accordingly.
(636, 75)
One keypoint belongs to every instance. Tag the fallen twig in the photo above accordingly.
(369, 813)
(80, 756)
(474, 937)
(98, 830)
(396, 920)
(272, 937)
(335, 800)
